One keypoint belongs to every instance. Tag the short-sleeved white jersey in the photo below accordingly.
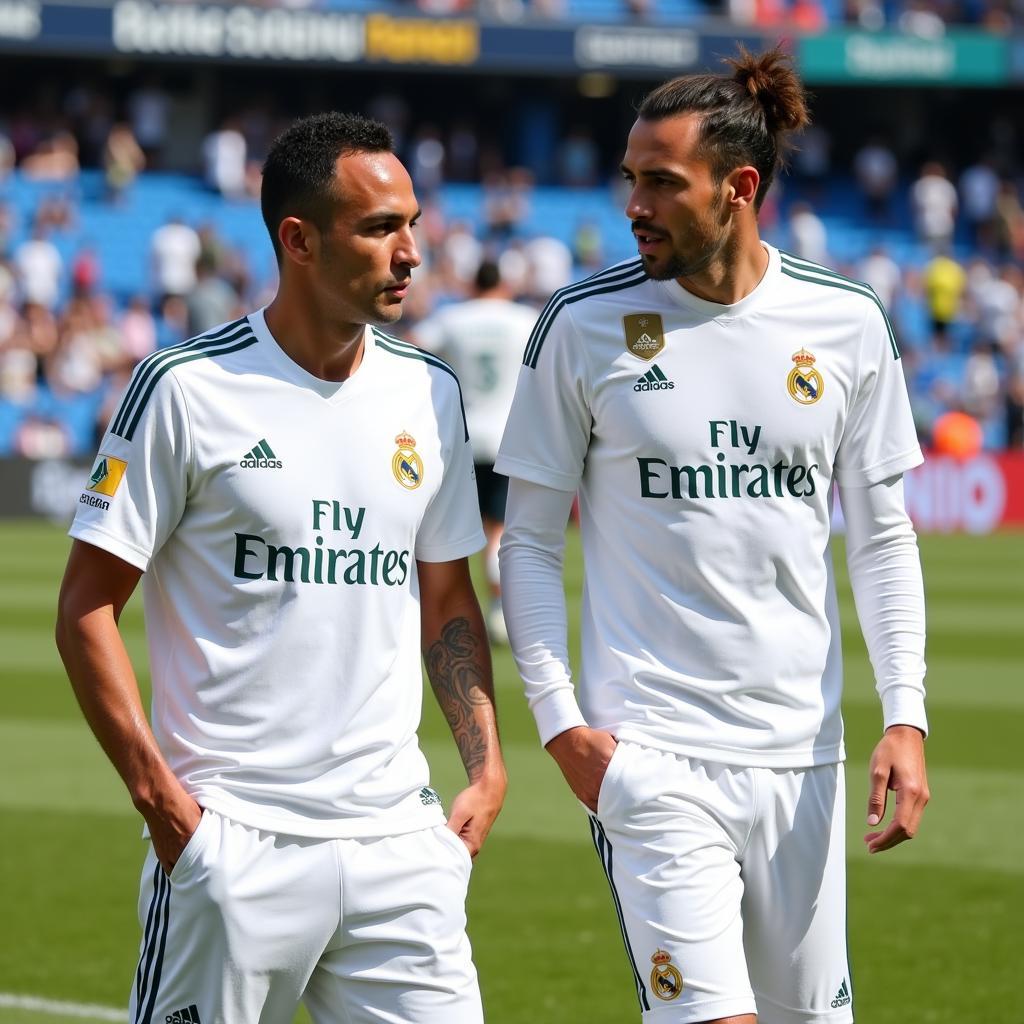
(278, 518)
(483, 339)
(704, 440)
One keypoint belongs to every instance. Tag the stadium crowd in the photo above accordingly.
(942, 247)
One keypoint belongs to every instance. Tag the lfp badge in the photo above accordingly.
(406, 463)
(645, 334)
(804, 383)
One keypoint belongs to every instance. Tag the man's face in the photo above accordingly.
(367, 252)
(678, 212)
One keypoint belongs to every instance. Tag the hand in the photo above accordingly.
(897, 764)
(583, 755)
(172, 827)
(475, 808)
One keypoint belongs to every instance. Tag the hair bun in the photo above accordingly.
(769, 79)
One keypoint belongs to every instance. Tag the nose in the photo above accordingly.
(638, 207)
(407, 254)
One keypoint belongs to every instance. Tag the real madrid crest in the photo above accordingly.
(666, 981)
(645, 334)
(406, 463)
(804, 383)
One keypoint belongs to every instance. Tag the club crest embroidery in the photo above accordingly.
(804, 383)
(666, 981)
(645, 334)
(406, 463)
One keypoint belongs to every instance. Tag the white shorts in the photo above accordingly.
(250, 923)
(729, 885)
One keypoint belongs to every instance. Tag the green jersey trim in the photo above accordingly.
(800, 270)
(151, 369)
(407, 351)
(613, 279)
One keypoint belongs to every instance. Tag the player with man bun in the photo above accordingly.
(707, 743)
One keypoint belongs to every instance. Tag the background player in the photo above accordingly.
(704, 398)
(296, 490)
(483, 339)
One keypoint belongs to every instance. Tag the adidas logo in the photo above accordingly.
(261, 457)
(653, 380)
(190, 1015)
(842, 996)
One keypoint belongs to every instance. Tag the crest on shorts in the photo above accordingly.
(666, 981)
(406, 463)
(645, 334)
(805, 383)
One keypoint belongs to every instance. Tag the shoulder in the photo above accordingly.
(585, 299)
(180, 363)
(816, 287)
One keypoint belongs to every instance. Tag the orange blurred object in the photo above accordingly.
(957, 434)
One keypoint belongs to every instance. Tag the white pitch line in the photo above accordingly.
(35, 1004)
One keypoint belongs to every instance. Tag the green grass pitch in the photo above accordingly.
(934, 925)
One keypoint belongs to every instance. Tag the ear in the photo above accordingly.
(299, 240)
(741, 187)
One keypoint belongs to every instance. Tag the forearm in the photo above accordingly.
(458, 662)
(885, 574)
(104, 683)
(533, 598)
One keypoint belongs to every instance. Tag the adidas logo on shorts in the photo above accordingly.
(190, 1015)
(842, 996)
(653, 380)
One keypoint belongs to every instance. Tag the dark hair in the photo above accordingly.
(298, 174)
(488, 276)
(746, 116)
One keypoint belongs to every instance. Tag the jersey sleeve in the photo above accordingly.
(880, 439)
(451, 526)
(135, 495)
(548, 430)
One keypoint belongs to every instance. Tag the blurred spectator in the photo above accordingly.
(8, 223)
(944, 282)
(979, 189)
(426, 160)
(40, 437)
(123, 159)
(999, 304)
(211, 302)
(877, 173)
(935, 205)
(138, 330)
(149, 109)
(55, 158)
(56, 213)
(981, 385)
(224, 160)
(7, 156)
(919, 18)
(39, 334)
(85, 272)
(463, 162)
(587, 249)
(1009, 222)
(39, 268)
(506, 202)
(879, 270)
(461, 253)
(174, 249)
(807, 233)
(578, 158)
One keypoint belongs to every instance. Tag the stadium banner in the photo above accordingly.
(247, 32)
(887, 58)
(979, 495)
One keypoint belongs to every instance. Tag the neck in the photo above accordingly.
(328, 348)
(734, 272)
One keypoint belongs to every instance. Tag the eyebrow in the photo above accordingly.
(652, 172)
(390, 216)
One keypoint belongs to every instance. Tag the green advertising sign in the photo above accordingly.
(962, 58)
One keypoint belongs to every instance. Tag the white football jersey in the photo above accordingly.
(704, 440)
(278, 518)
(483, 339)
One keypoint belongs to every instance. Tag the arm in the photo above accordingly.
(885, 572)
(458, 662)
(95, 589)
(533, 597)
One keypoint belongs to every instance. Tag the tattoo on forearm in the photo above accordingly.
(456, 666)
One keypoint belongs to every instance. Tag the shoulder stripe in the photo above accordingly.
(148, 365)
(407, 351)
(560, 300)
(549, 311)
(831, 280)
(232, 343)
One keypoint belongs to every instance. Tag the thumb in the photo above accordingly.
(877, 796)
